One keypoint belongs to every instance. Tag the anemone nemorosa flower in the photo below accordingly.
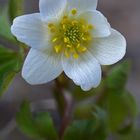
(70, 36)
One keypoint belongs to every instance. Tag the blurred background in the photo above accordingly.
(124, 15)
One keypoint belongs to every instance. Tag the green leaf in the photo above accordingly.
(83, 111)
(39, 126)
(126, 129)
(45, 126)
(117, 78)
(131, 104)
(102, 131)
(81, 130)
(119, 103)
(10, 64)
(5, 31)
(135, 135)
(15, 8)
(88, 129)
(25, 121)
(5, 81)
(120, 108)
(132, 109)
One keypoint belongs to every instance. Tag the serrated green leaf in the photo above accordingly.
(119, 104)
(120, 108)
(25, 121)
(6, 81)
(15, 8)
(45, 126)
(131, 104)
(118, 75)
(10, 64)
(39, 126)
(132, 109)
(102, 131)
(88, 129)
(81, 130)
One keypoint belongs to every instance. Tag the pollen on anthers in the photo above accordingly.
(72, 35)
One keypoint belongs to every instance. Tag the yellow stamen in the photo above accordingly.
(89, 37)
(74, 22)
(82, 49)
(83, 27)
(90, 27)
(84, 38)
(75, 55)
(57, 48)
(71, 35)
(54, 39)
(69, 46)
(50, 25)
(64, 27)
(78, 46)
(67, 54)
(74, 11)
(66, 40)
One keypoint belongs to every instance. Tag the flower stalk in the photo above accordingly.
(65, 106)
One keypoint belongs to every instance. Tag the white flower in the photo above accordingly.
(70, 36)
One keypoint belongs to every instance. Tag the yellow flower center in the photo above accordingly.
(71, 35)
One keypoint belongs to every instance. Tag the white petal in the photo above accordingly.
(109, 50)
(51, 8)
(30, 30)
(82, 5)
(100, 23)
(41, 68)
(84, 71)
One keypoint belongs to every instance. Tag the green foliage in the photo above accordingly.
(134, 135)
(25, 121)
(45, 124)
(83, 111)
(120, 108)
(5, 26)
(89, 129)
(10, 61)
(81, 130)
(10, 64)
(38, 127)
(119, 104)
(15, 8)
(118, 76)
(102, 131)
